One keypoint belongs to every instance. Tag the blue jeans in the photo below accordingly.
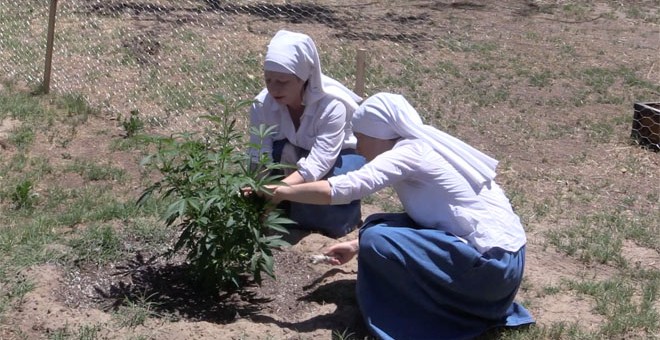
(331, 220)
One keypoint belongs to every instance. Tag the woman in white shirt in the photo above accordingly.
(312, 115)
(450, 266)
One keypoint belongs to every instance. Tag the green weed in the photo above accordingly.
(225, 233)
(346, 334)
(23, 196)
(23, 137)
(74, 105)
(132, 125)
(135, 311)
(95, 172)
(85, 332)
(615, 300)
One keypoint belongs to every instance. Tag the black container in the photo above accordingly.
(646, 125)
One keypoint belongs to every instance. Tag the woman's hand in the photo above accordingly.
(341, 253)
(268, 193)
(247, 191)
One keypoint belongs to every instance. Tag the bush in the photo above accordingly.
(227, 235)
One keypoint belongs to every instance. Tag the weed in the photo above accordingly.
(23, 197)
(18, 289)
(22, 137)
(551, 290)
(133, 125)
(346, 334)
(541, 79)
(88, 204)
(22, 106)
(599, 79)
(614, 299)
(88, 332)
(148, 232)
(134, 312)
(74, 105)
(224, 231)
(94, 172)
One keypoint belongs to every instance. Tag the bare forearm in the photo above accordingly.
(294, 178)
(311, 193)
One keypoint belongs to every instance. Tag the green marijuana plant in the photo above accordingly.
(227, 234)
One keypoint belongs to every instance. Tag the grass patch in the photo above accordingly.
(98, 244)
(84, 332)
(599, 237)
(94, 172)
(135, 311)
(625, 313)
(35, 214)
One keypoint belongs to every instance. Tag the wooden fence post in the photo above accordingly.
(49, 46)
(360, 71)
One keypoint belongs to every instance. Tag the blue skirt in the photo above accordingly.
(331, 220)
(416, 283)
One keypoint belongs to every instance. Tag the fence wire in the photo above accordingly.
(169, 60)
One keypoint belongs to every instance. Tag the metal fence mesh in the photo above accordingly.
(169, 60)
(646, 125)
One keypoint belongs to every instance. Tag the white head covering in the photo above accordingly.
(295, 53)
(389, 116)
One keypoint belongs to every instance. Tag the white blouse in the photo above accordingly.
(323, 131)
(435, 195)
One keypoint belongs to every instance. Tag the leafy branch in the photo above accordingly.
(226, 233)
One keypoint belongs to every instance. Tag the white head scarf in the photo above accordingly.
(295, 53)
(389, 116)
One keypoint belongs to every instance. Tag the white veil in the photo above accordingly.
(291, 52)
(389, 116)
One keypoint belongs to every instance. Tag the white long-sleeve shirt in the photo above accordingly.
(435, 195)
(324, 130)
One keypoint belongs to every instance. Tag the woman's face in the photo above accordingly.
(370, 147)
(285, 88)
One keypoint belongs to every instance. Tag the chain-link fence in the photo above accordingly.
(646, 125)
(170, 59)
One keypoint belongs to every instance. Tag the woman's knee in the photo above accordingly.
(374, 242)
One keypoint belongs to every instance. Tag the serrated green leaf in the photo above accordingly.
(277, 243)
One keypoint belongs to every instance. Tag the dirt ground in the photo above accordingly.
(310, 301)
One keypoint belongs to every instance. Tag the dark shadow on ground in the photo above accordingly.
(171, 292)
(169, 289)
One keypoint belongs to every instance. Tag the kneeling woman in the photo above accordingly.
(450, 266)
(311, 114)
